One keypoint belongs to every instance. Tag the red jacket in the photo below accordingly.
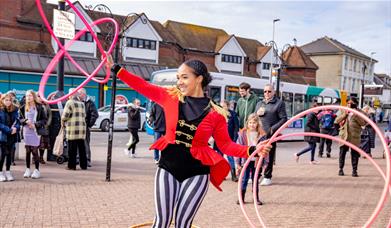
(214, 124)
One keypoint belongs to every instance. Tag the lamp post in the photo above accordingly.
(109, 37)
(281, 68)
(370, 70)
(60, 66)
(273, 54)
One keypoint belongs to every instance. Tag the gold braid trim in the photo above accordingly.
(175, 92)
(219, 110)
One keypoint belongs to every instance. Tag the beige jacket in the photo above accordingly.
(350, 130)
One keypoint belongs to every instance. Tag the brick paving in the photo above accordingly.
(302, 195)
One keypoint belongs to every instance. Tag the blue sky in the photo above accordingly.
(362, 25)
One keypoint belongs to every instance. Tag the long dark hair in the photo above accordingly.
(200, 69)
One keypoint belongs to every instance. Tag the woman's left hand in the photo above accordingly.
(265, 149)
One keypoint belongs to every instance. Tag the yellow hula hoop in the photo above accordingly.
(150, 223)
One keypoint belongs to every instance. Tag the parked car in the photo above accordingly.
(120, 118)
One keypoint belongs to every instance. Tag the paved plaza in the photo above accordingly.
(302, 195)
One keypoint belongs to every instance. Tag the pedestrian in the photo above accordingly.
(18, 138)
(312, 125)
(250, 135)
(157, 117)
(45, 140)
(186, 163)
(368, 134)
(91, 117)
(33, 120)
(74, 120)
(326, 120)
(55, 125)
(271, 111)
(350, 130)
(246, 103)
(233, 130)
(9, 128)
(134, 123)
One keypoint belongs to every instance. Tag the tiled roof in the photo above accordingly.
(327, 45)
(250, 47)
(194, 37)
(262, 51)
(294, 57)
(221, 41)
(28, 62)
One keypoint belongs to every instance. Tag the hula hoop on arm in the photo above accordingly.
(275, 137)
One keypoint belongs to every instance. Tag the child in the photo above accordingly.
(33, 119)
(9, 126)
(251, 134)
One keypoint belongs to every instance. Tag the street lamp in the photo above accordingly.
(109, 38)
(272, 56)
(370, 69)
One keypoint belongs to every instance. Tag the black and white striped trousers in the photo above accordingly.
(186, 197)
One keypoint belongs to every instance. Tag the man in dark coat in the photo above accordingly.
(157, 118)
(273, 115)
(134, 123)
(91, 117)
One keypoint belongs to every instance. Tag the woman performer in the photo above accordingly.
(187, 163)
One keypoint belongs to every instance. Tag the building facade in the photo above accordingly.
(340, 66)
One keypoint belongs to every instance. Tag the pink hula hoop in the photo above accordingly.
(63, 51)
(275, 137)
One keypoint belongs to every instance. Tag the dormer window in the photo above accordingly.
(231, 59)
(86, 37)
(140, 43)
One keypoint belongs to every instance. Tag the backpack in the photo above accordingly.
(327, 121)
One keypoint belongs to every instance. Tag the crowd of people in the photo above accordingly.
(37, 124)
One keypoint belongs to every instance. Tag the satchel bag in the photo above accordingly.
(58, 148)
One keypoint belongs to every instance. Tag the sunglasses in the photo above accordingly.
(267, 91)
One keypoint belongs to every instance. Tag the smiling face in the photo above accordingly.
(244, 92)
(188, 83)
(252, 125)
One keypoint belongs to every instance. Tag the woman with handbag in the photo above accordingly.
(9, 126)
(45, 140)
(33, 119)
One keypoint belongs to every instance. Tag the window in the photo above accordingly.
(266, 66)
(140, 43)
(346, 62)
(232, 93)
(327, 101)
(288, 99)
(299, 103)
(355, 65)
(215, 94)
(344, 83)
(258, 92)
(231, 59)
(86, 37)
(353, 84)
